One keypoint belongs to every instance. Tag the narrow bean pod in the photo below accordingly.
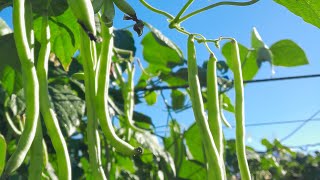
(31, 88)
(239, 112)
(213, 103)
(48, 114)
(102, 107)
(215, 169)
(36, 155)
(90, 93)
(83, 11)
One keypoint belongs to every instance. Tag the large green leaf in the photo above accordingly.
(64, 39)
(161, 51)
(8, 51)
(68, 106)
(308, 10)
(287, 53)
(194, 142)
(248, 60)
(3, 150)
(192, 170)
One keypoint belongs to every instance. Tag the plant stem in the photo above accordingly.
(156, 10)
(176, 19)
(230, 3)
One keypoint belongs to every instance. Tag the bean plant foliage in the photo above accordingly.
(179, 154)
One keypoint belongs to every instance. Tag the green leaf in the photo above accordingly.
(193, 170)
(7, 78)
(124, 40)
(177, 99)
(287, 53)
(150, 97)
(56, 8)
(68, 106)
(64, 39)
(160, 51)
(8, 51)
(3, 150)
(142, 119)
(248, 60)
(5, 3)
(256, 40)
(308, 10)
(4, 28)
(194, 142)
(227, 104)
(163, 40)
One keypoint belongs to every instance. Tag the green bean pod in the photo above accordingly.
(102, 106)
(213, 103)
(48, 114)
(31, 88)
(36, 155)
(83, 11)
(239, 112)
(215, 169)
(88, 62)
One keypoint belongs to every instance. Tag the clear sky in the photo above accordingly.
(264, 102)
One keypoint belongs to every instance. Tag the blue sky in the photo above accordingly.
(264, 102)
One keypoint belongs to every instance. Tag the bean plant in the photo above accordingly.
(105, 68)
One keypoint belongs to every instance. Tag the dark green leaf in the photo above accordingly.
(308, 10)
(124, 40)
(142, 118)
(151, 97)
(5, 3)
(287, 53)
(8, 51)
(68, 106)
(177, 99)
(56, 8)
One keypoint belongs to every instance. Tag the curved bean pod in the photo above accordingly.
(31, 88)
(102, 96)
(48, 114)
